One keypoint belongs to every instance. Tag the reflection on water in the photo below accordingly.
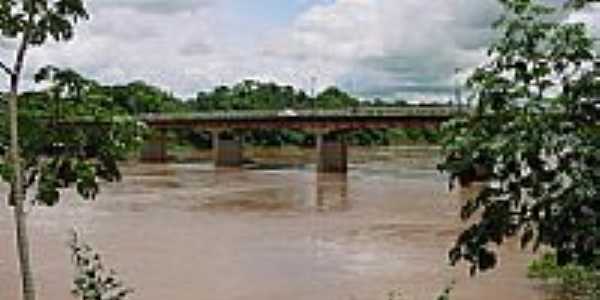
(188, 232)
(315, 191)
(331, 192)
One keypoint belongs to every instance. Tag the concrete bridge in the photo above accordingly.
(328, 126)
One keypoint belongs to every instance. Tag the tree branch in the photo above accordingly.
(5, 68)
(20, 57)
(22, 48)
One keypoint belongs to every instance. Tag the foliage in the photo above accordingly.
(334, 98)
(252, 95)
(92, 280)
(255, 95)
(40, 19)
(140, 97)
(535, 133)
(130, 99)
(572, 281)
(445, 295)
(58, 156)
(29, 23)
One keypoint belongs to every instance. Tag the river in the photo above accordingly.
(187, 232)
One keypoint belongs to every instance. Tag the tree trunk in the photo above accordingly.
(18, 193)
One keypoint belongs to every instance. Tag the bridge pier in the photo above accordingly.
(227, 151)
(154, 149)
(332, 153)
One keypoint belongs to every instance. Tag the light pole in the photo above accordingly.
(313, 83)
(313, 86)
(457, 89)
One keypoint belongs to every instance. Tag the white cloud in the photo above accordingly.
(390, 45)
(154, 6)
(372, 47)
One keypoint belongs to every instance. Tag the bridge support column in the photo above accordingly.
(227, 152)
(155, 148)
(332, 153)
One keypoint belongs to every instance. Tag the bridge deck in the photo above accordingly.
(357, 112)
(328, 120)
(362, 118)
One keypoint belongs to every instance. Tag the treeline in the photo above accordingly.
(69, 88)
(255, 95)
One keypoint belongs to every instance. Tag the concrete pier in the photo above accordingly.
(332, 154)
(155, 148)
(227, 151)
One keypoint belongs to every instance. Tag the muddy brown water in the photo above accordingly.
(188, 232)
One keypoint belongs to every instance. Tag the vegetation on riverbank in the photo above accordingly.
(566, 282)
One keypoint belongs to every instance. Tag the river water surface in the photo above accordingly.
(188, 232)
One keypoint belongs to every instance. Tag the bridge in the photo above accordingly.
(329, 127)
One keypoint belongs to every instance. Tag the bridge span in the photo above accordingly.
(329, 127)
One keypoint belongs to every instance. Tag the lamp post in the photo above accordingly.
(457, 89)
(313, 83)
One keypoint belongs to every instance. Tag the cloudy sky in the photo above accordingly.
(387, 48)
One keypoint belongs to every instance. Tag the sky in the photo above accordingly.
(391, 49)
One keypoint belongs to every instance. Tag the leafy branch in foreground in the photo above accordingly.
(92, 280)
(28, 23)
(536, 132)
(57, 155)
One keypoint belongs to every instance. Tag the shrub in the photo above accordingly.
(92, 280)
(569, 281)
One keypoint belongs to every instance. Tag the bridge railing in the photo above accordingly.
(289, 113)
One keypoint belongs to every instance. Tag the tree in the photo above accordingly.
(334, 98)
(536, 133)
(140, 97)
(31, 23)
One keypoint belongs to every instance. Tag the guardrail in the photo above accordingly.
(353, 112)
